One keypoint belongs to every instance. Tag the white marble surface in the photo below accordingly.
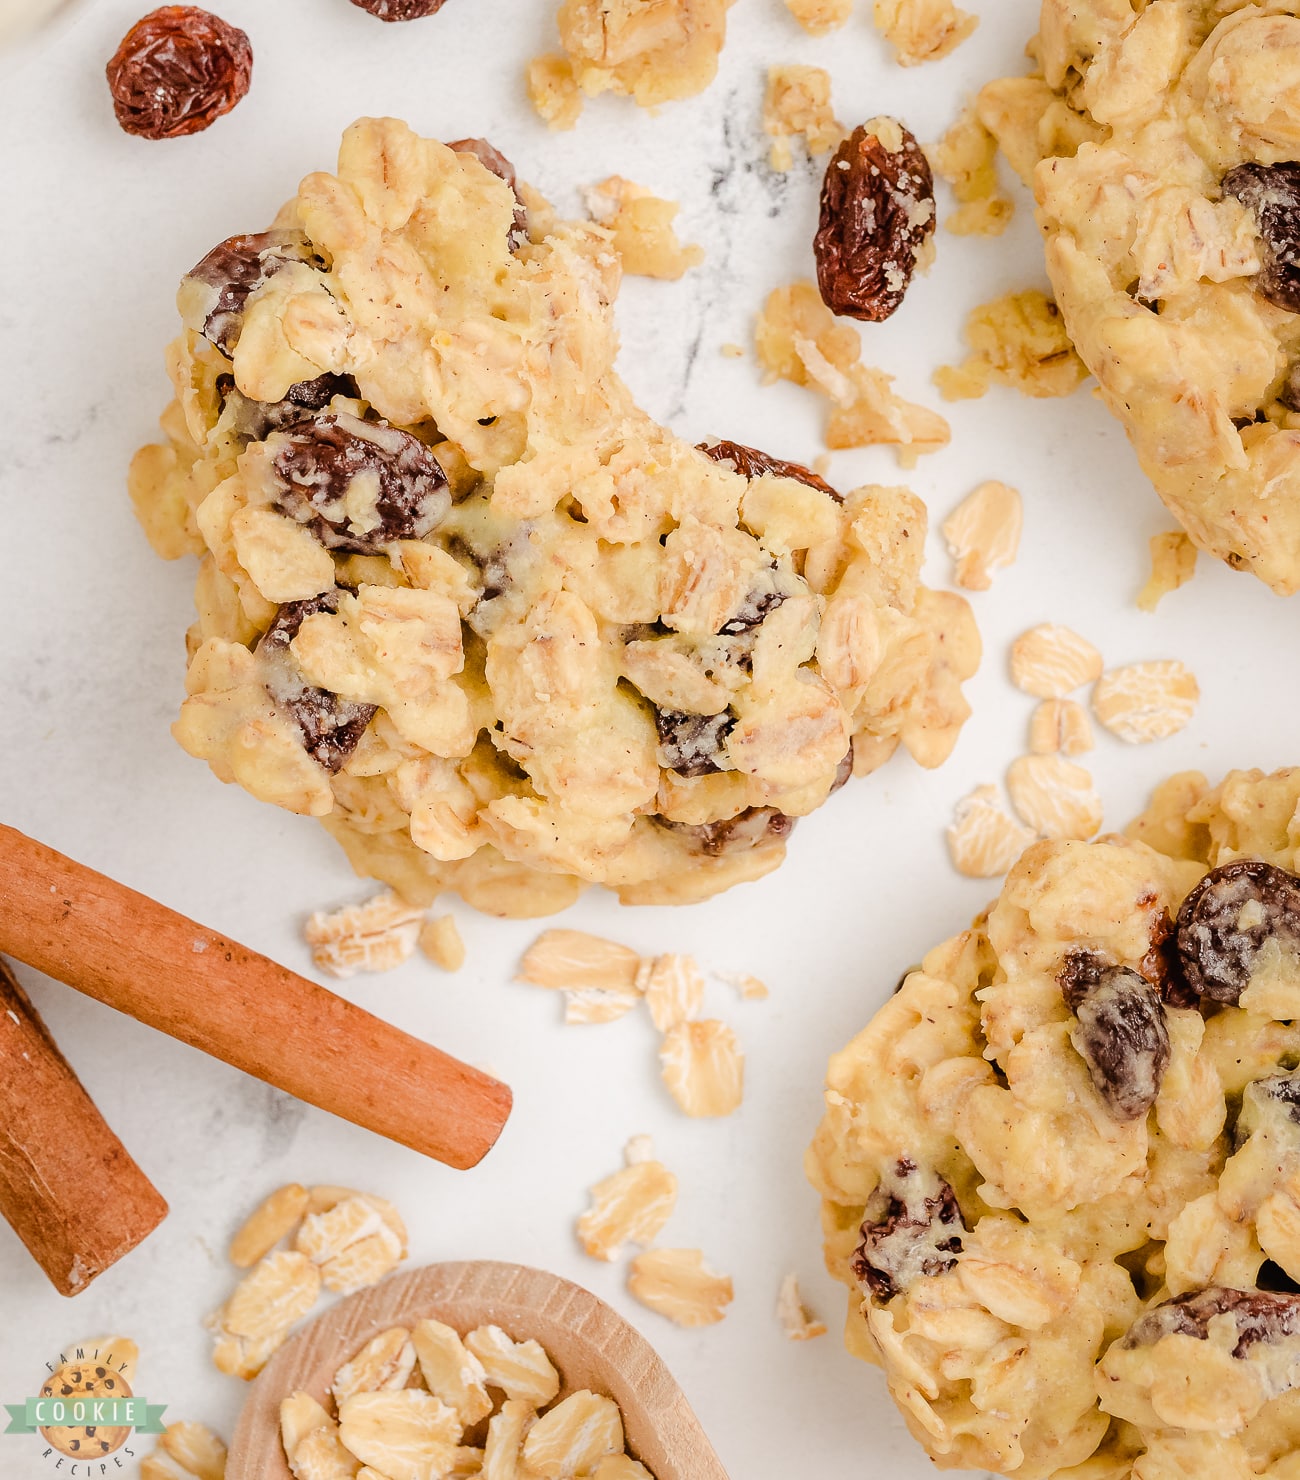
(95, 229)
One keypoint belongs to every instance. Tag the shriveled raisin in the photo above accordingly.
(911, 1230)
(877, 212)
(1228, 918)
(749, 462)
(493, 159)
(1271, 192)
(400, 10)
(1261, 1316)
(330, 727)
(691, 744)
(1162, 967)
(758, 604)
(255, 420)
(177, 71)
(748, 829)
(1120, 1032)
(358, 485)
(232, 271)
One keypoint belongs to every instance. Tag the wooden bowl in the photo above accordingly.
(591, 1345)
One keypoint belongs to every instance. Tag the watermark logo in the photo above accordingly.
(86, 1411)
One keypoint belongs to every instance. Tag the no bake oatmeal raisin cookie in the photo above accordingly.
(1161, 142)
(1060, 1169)
(466, 603)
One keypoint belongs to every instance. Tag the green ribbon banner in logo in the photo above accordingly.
(110, 1413)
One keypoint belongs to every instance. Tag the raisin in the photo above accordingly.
(1282, 1089)
(1121, 1033)
(756, 606)
(877, 212)
(749, 462)
(1261, 1316)
(690, 744)
(255, 420)
(359, 485)
(493, 159)
(177, 71)
(747, 829)
(330, 727)
(234, 270)
(1162, 967)
(400, 10)
(912, 1229)
(1289, 395)
(1227, 919)
(843, 771)
(1271, 192)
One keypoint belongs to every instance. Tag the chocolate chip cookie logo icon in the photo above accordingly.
(86, 1411)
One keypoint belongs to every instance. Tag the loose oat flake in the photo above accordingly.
(569, 960)
(678, 1284)
(186, 1451)
(1060, 725)
(521, 1369)
(750, 988)
(983, 534)
(630, 1207)
(574, 1436)
(407, 1435)
(265, 1304)
(1054, 796)
(1173, 564)
(1146, 701)
(375, 936)
(451, 1371)
(674, 990)
(355, 1243)
(797, 1321)
(703, 1067)
(385, 1362)
(267, 1224)
(596, 1005)
(1050, 661)
(984, 840)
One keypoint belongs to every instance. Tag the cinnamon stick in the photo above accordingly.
(136, 955)
(67, 1184)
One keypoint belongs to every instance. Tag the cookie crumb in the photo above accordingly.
(983, 534)
(441, 942)
(1050, 662)
(817, 17)
(749, 987)
(797, 338)
(733, 351)
(797, 1321)
(678, 1284)
(375, 936)
(1018, 340)
(1060, 725)
(642, 227)
(966, 157)
(922, 30)
(1146, 701)
(984, 840)
(1173, 564)
(1054, 796)
(553, 90)
(797, 103)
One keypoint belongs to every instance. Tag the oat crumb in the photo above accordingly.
(817, 17)
(1173, 564)
(984, 840)
(797, 1321)
(733, 351)
(1018, 340)
(797, 104)
(441, 942)
(983, 534)
(642, 228)
(922, 30)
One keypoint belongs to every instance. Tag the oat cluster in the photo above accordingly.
(1060, 1168)
(460, 599)
(335, 1239)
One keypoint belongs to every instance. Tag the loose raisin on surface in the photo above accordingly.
(1226, 920)
(877, 212)
(493, 159)
(234, 269)
(177, 71)
(691, 744)
(1271, 192)
(1121, 1032)
(1261, 1315)
(255, 420)
(749, 462)
(745, 830)
(359, 485)
(911, 1229)
(400, 10)
(330, 727)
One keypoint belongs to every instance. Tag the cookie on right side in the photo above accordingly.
(1162, 142)
(1060, 1168)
